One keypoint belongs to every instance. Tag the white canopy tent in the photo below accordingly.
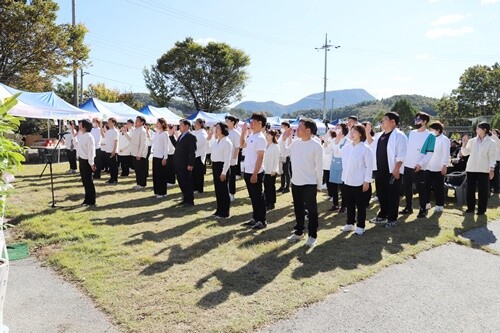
(120, 111)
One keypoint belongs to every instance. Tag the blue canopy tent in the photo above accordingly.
(210, 118)
(120, 111)
(165, 113)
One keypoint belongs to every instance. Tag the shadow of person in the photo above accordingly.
(250, 278)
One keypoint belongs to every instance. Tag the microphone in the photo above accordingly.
(63, 133)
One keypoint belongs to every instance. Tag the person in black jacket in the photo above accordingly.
(184, 157)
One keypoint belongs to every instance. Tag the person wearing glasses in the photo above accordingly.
(419, 152)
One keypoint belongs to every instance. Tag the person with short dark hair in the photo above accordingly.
(480, 167)
(495, 182)
(419, 152)
(271, 167)
(306, 157)
(159, 148)
(110, 148)
(357, 170)
(234, 137)
(199, 168)
(255, 146)
(184, 159)
(438, 165)
(222, 154)
(96, 132)
(86, 158)
(170, 173)
(390, 153)
(139, 150)
(285, 167)
(124, 156)
(70, 146)
(341, 131)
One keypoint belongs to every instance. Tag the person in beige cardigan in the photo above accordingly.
(482, 151)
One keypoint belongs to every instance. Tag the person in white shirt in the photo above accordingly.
(139, 151)
(86, 153)
(222, 153)
(341, 131)
(110, 147)
(199, 168)
(419, 152)
(495, 182)
(170, 173)
(234, 136)
(285, 168)
(96, 132)
(357, 170)
(327, 161)
(390, 153)
(253, 167)
(159, 147)
(351, 121)
(438, 165)
(271, 166)
(482, 152)
(70, 146)
(124, 157)
(306, 156)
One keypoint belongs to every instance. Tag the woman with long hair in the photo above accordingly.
(159, 147)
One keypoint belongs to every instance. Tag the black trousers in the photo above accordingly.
(287, 174)
(141, 171)
(355, 199)
(335, 194)
(495, 182)
(420, 179)
(232, 179)
(436, 181)
(159, 177)
(238, 165)
(221, 190)
(170, 170)
(326, 180)
(199, 170)
(270, 189)
(98, 163)
(104, 161)
(125, 162)
(71, 154)
(481, 181)
(88, 183)
(257, 197)
(185, 179)
(388, 195)
(113, 167)
(304, 197)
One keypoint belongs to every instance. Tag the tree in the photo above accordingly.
(406, 112)
(105, 94)
(495, 122)
(478, 93)
(447, 108)
(34, 50)
(210, 77)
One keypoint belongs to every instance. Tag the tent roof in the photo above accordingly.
(210, 118)
(121, 111)
(156, 112)
(43, 105)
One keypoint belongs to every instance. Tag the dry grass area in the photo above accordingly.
(155, 267)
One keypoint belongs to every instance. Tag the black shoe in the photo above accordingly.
(250, 223)
(280, 189)
(480, 213)
(188, 204)
(342, 210)
(469, 211)
(286, 190)
(259, 225)
(406, 211)
(422, 213)
(269, 207)
(334, 208)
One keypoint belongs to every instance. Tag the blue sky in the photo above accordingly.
(387, 47)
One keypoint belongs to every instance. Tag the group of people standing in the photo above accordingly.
(349, 159)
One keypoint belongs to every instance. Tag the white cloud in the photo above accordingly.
(424, 56)
(489, 2)
(448, 32)
(205, 41)
(447, 19)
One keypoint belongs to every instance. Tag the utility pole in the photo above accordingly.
(81, 84)
(75, 69)
(325, 47)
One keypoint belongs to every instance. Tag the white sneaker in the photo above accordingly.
(359, 231)
(348, 227)
(170, 184)
(160, 196)
(295, 238)
(428, 206)
(231, 197)
(237, 177)
(323, 187)
(374, 199)
(438, 209)
(138, 187)
(311, 242)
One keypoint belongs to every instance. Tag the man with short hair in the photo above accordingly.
(139, 151)
(351, 121)
(110, 146)
(390, 152)
(199, 168)
(255, 146)
(96, 133)
(184, 160)
(286, 167)
(234, 137)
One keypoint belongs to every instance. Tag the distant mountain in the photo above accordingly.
(315, 101)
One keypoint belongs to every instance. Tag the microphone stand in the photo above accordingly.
(49, 163)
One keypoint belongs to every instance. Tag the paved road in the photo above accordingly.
(38, 300)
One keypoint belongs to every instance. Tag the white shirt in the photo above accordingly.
(110, 137)
(327, 154)
(441, 156)
(138, 144)
(234, 136)
(255, 142)
(284, 152)
(306, 158)
(272, 159)
(222, 151)
(494, 137)
(171, 147)
(68, 141)
(335, 147)
(416, 141)
(483, 154)
(201, 144)
(160, 144)
(396, 149)
(96, 133)
(357, 164)
(123, 145)
(86, 148)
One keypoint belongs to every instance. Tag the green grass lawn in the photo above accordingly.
(155, 267)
